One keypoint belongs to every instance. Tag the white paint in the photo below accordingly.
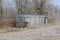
(33, 20)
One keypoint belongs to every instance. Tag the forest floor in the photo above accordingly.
(43, 32)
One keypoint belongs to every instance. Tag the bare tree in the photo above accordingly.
(0, 8)
(40, 9)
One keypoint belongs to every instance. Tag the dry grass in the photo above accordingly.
(43, 32)
(46, 32)
(7, 23)
(51, 20)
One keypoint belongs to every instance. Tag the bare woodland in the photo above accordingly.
(9, 9)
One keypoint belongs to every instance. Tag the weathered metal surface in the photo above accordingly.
(20, 20)
(30, 20)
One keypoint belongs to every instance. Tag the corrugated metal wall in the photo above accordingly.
(30, 20)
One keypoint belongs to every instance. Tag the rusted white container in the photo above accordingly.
(30, 20)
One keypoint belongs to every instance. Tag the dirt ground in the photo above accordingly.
(43, 32)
